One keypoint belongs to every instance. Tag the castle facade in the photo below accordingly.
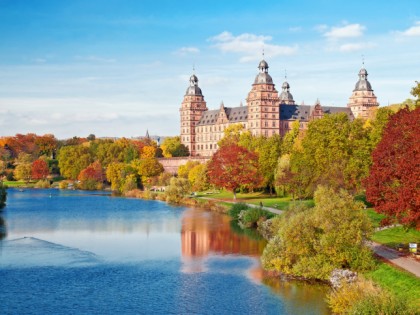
(267, 112)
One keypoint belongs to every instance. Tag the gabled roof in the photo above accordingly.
(234, 114)
(303, 112)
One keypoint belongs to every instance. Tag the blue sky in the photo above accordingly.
(117, 68)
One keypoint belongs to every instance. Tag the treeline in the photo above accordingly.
(125, 163)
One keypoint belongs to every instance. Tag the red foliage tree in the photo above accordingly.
(92, 172)
(393, 184)
(40, 169)
(233, 166)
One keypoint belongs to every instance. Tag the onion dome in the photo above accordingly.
(363, 84)
(285, 96)
(263, 77)
(193, 89)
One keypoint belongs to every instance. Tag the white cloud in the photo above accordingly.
(412, 31)
(347, 31)
(250, 46)
(187, 50)
(350, 47)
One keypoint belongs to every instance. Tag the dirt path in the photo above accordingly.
(272, 210)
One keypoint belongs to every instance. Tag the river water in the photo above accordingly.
(78, 252)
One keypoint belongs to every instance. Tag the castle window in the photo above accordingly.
(274, 123)
(273, 109)
(211, 146)
(206, 147)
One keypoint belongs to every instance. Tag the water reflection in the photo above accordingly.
(3, 231)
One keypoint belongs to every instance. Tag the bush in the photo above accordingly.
(63, 184)
(90, 184)
(44, 183)
(236, 208)
(3, 195)
(250, 218)
(364, 297)
(318, 240)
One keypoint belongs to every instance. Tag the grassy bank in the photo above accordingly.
(400, 283)
(394, 236)
(19, 184)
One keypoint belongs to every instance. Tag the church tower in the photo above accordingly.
(191, 110)
(263, 104)
(363, 100)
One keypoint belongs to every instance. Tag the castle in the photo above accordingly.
(267, 113)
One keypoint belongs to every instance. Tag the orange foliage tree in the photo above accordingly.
(39, 169)
(393, 184)
(233, 166)
(92, 172)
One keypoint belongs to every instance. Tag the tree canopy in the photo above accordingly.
(172, 147)
(233, 166)
(393, 185)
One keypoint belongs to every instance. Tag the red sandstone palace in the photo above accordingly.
(267, 113)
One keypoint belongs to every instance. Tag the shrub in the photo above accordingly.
(63, 184)
(318, 240)
(3, 195)
(236, 208)
(42, 184)
(364, 297)
(250, 218)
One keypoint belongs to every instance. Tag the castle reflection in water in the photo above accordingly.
(205, 234)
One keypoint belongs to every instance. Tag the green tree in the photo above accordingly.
(290, 138)
(268, 152)
(311, 243)
(172, 147)
(185, 169)
(282, 174)
(415, 91)
(147, 168)
(198, 177)
(73, 159)
(177, 189)
(116, 173)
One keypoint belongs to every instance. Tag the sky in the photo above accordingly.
(121, 67)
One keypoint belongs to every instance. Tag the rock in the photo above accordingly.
(338, 276)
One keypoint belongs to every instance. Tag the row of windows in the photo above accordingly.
(210, 146)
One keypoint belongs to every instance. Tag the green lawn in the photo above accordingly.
(400, 283)
(374, 217)
(18, 184)
(394, 236)
(255, 198)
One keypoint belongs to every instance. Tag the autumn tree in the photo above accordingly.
(233, 166)
(147, 168)
(47, 145)
(40, 169)
(118, 174)
(23, 172)
(393, 185)
(415, 91)
(172, 147)
(91, 177)
(72, 159)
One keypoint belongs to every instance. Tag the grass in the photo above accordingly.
(398, 282)
(374, 217)
(394, 236)
(255, 198)
(18, 184)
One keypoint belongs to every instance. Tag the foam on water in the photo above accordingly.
(32, 252)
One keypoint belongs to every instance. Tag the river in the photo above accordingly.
(78, 252)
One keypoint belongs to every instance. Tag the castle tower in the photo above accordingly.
(263, 104)
(191, 110)
(285, 96)
(363, 100)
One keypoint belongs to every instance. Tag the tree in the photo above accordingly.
(312, 242)
(393, 185)
(94, 171)
(290, 138)
(40, 169)
(184, 170)
(232, 166)
(198, 177)
(172, 147)
(268, 154)
(72, 159)
(147, 168)
(177, 189)
(23, 172)
(415, 91)
(282, 174)
(116, 174)
(47, 145)
(3, 195)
